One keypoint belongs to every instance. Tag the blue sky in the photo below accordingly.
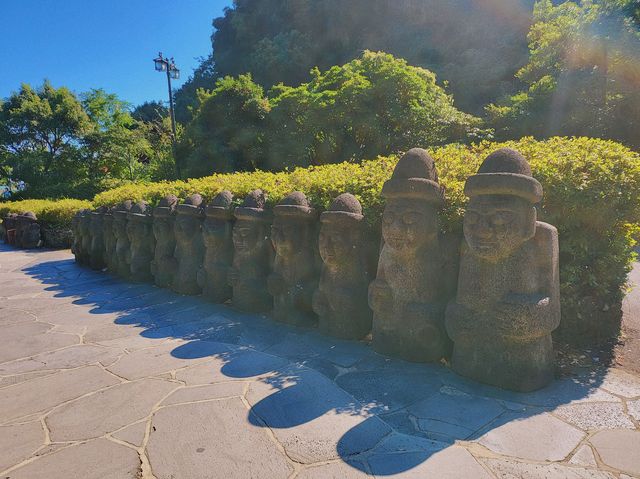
(110, 44)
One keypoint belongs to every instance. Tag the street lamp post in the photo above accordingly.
(168, 65)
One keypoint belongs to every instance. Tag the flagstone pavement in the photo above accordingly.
(104, 379)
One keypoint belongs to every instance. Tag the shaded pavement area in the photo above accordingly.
(105, 379)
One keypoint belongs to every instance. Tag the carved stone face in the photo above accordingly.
(162, 227)
(408, 224)
(137, 230)
(214, 231)
(288, 235)
(187, 225)
(247, 236)
(336, 245)
(496, 225)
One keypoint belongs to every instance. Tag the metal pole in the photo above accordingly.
(173, 118)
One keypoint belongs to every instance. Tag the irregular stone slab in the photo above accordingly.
(212, 444)
(622, 383)
(19, 442)
(595, 416)
(467, 413)
(634, 409)
(28, 397)
(334, 470)
(163, 358)
(505, 469)
(26, 339)
(312, 418)
(133, 434)
(19, 378)
(396, 443)
(105, 411)
(99, 459)
(584, 457)
(71, 357)
(13, 316)
(619, 449)
(451, 463)
(204, 393)
(389, 389)
(235, 365)
(539, 438)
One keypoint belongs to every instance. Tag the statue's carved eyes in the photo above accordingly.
(501, 218)
(411, 218)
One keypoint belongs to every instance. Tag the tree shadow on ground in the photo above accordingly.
(322, 398)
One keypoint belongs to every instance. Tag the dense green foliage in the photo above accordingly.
(592, 195)
(60, 145)
(583, 74)
(49, 212)
(373, 105)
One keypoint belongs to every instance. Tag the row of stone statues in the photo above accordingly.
(22, 230)
(489, 301)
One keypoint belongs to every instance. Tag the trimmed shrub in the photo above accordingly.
(592, 195)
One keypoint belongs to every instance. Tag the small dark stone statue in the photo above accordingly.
(85, 230)
(348, 266)
(97, 252)
(142, 242)
(164, 265)
(417, 267)
(252, 255)
(296, 268)
(28, 234)
(508, 300)
(109, 240)
(79, 242)
(217, 235)
(122, 252)
(189, 245)
(9, 224)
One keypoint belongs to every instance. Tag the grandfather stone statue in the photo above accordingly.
(85, 229)
(217, 235)
(508, 291)
(189, 245)
(252, 255)
(9, 223)
(142, 241)
(295, 275)
(341, 298)
(164, 265)
(417, 267)
(30, 234)
(97, 251)
(76, 247)
(122, 251)
(109, 240)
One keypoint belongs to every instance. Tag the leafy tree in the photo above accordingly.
(39, 136)
(150, 112)
(582, 74)
(186, 97)
(226, 132)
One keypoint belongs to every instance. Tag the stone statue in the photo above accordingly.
(109, 240)
(348, 266)
(76, 247)
(189, 245)
(142, 242)
(164, 265)
(85, 229)
(217, 235)
(418, 265)
(252, 255)
(508, 290)
(296, 267)
(97, 251)
(29, 230)
(9, 224)
(123, 247)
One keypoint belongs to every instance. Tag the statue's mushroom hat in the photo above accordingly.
(221, 206)
(253, 207)
(28, 215)
(345, 209)
(504, 172)
(140, 212)
(166, 207)
(415, 176)
(120, 211)
(98, 212)
(297, 205)
(192, 206)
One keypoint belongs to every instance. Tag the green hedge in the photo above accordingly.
(592, 195)
(56, 213)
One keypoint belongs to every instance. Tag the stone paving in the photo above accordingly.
(104, 379)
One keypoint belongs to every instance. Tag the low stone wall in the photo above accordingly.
(22, 230)
(488, 301)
